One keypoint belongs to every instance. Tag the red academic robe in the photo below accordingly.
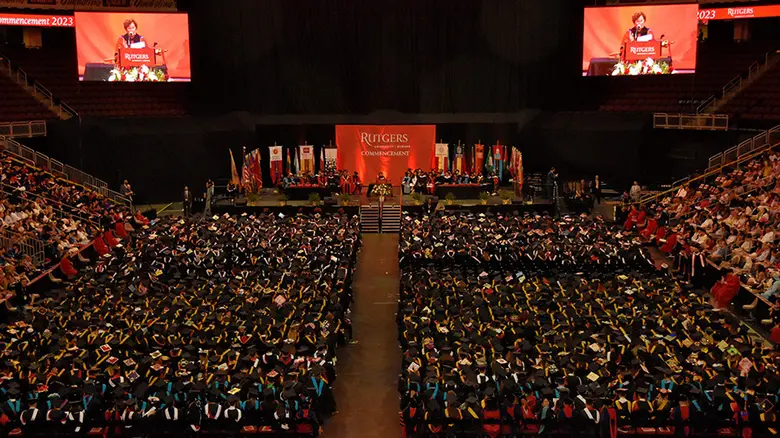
(670, 243)
(725, 291)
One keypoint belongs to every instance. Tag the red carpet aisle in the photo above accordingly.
(366, 388)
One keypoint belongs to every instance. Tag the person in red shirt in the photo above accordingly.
(725, 289)
(774, 334)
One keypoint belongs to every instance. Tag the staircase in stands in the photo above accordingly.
(36, 90)
(369, 218)
(757, 70)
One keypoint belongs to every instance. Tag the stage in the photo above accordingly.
(271, 201)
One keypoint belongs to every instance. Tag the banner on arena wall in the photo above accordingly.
(94, 5)
(307, 158)
(442, 157)
(390, 149)
(275, 162)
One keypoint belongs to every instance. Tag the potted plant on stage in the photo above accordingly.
(506, 196)
(314, 199)
(484, 196)
(382, 190)
(417, 198)
(449, 197)
(283, 199)
(252, 198)
(344, 199)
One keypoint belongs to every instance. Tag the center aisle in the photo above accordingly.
(367, 385)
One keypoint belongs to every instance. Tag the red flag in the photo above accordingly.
(246, 173)
(257, 174)
(479, 158)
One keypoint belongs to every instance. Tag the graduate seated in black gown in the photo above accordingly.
(520, 314)
(215, 326)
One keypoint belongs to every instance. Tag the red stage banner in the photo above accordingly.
(390, 149)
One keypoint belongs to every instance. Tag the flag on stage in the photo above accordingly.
(246, 172)
(479, 159)
(519, 169)
(441, 157)
(257, 173)
(498, 161)
(323, 166)
(234, 178)
(306, 157)
(460, 160)
(489, 169)
(331, 154)
(275, 154)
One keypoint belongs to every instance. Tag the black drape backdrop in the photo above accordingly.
(160, 156)
(342, 56)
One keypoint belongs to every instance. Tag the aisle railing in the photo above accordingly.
(28, 245)
(33, 128)
(734, 156)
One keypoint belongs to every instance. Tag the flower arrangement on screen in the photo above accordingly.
(639, 68)
(138, 74)
(382, 190)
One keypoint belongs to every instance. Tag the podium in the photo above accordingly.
(641, 50)
(129, 58)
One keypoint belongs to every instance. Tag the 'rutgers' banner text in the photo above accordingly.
(390, 149)
(92, 5)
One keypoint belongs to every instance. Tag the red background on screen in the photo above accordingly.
(98, 32)
(605, 27)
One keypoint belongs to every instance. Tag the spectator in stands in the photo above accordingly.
(774, 287)
(126, 190)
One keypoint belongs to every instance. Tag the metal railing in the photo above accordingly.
(61, 170)
(21, 78)
(738, 83)
(770, 137)
(705, 104)
(47, 95)
(34, 128)
(709, 122)
(29, 246)
(735, 83)
(733, 156)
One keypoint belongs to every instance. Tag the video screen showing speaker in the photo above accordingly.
(133, 47)
(640, 40)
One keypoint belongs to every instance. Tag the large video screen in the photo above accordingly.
(133, 47)
(640, 40)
